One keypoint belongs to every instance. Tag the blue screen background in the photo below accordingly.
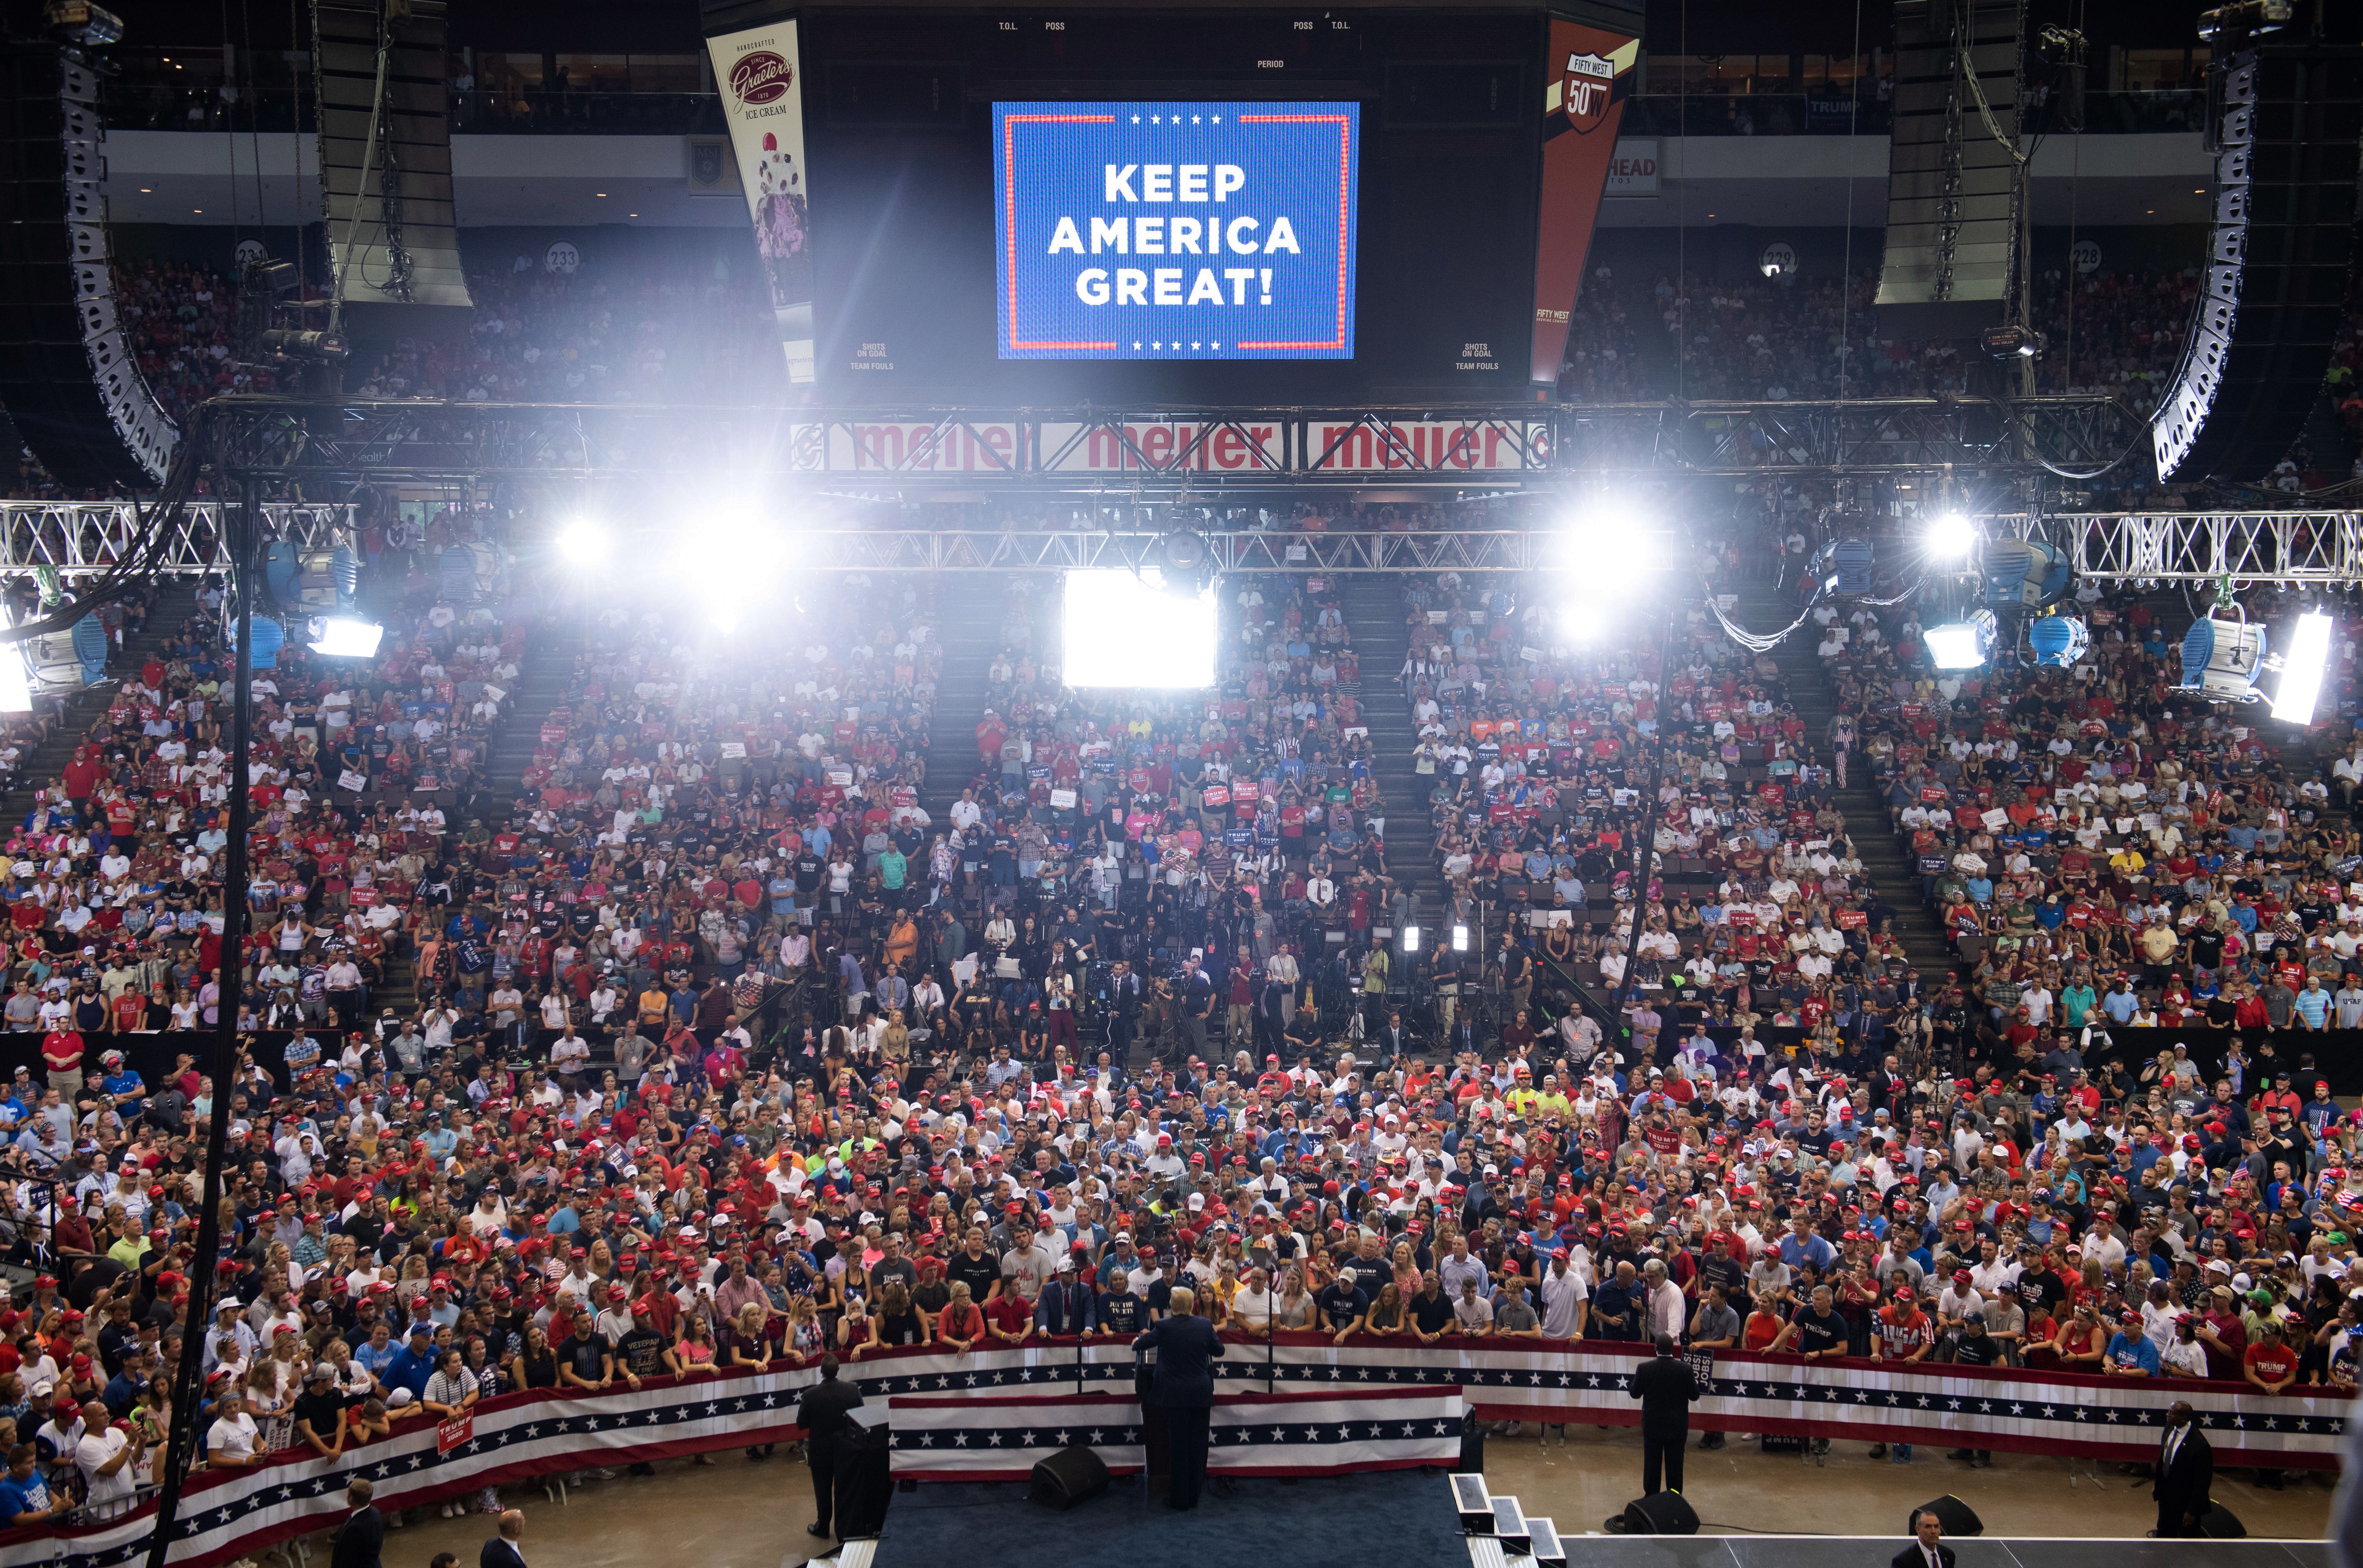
(1079, 277)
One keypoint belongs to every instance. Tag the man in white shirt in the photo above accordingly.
(1566, 1301)
(108, 1459)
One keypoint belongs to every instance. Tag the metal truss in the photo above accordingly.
(1327, 554)
(2203, 547)
(83, 538)
(1102, 451)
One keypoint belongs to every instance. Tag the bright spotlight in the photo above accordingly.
(2302, 668)
(342, 638)
(15, 675)
(1957, 645)
(1459, 938)
(1603, 546)
(1952, 536)
(584, 543)
(1411, 938)
(1126, 630)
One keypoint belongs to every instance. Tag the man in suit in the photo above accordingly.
(502, 1551)
(1927, 1548)
(360, 1538)
(1067, 1306)
(822, 1415)
(1186, 1347)
(2186, 1474)
(1665, 1388)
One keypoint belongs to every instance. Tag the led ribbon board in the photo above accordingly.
(1171, 231)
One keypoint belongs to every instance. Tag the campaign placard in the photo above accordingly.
(1175, 231)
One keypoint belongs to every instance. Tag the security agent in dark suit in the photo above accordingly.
(1186, 1347)
(362, 1538)
(2186, 1474)
(502, 1551)
(1927, 1548)
(822, 1414)
(1665, 1388)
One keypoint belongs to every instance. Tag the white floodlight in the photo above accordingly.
(1459, 938)
(1962, 644)
(341, 637)
(2302, 668)
(1126, 630)
(584, 543)
(15, 675)
(1952, 536)
(1411, 938)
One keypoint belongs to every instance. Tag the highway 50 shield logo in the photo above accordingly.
(1586, 89)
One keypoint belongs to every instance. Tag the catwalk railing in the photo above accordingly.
(227, 1514)
(1101, 449)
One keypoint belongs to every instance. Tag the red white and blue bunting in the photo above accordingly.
(518, 1437)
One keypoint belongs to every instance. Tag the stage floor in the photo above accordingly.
(1391, 1516)
(1980, 1552)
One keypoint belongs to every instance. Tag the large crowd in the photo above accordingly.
(730, 1038)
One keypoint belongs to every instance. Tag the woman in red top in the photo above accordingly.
(1763, 1325)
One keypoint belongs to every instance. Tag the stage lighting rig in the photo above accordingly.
(2060, 642)
(1962, 644)
(2302, 668)
(1186, 561)
(584, 543)
(2022, 573)
(343, 636)
(1842, 566)
(2221, 658)
(1951, 536)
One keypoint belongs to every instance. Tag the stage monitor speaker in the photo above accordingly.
(1660, 1512)
(2219, 1523)
(1472, 1446)
(2272, 296)
(1957, 1516)
(1070, 1476)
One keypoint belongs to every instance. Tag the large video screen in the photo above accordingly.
(1143, 207)
(1175, 231)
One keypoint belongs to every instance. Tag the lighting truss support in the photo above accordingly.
(2319, 547)
(85, 539)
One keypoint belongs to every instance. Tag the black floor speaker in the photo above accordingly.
(2219, 1523)
(1070, 1476)
(1472, 1447)
(1660, 1512)
(1957, 1516)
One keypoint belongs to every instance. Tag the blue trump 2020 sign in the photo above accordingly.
(1161, 231)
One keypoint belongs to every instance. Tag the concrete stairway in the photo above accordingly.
(1374, 612)
(1886, 859)
(969, 627)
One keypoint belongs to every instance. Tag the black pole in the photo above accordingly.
(1648, 836)
(242, 525)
